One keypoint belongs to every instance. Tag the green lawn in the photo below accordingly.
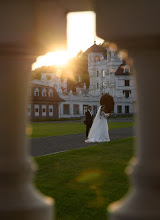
(83, 182)
(45, 129)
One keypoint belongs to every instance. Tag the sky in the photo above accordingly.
(81, 34)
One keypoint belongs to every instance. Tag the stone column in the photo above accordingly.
(144, 200)
(18, 200)
(18, 197)
(141, 38)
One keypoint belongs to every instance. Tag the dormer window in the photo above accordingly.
(126, 69)
(36, 92)
(50, 93)
(44, 92)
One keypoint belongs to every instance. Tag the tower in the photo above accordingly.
(95, 68)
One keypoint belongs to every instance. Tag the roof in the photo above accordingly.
(47, 98)
(120, 70)
(96, 49)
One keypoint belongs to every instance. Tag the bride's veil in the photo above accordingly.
(95, 123)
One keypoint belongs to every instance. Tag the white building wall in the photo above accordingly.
(80, 100)
(110, 83)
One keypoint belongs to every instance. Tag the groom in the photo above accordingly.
(89, 120)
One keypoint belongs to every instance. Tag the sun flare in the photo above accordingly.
(58, 58)
(81, 33)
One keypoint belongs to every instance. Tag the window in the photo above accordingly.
(50, 110)
(126, 109)
(48, 77)
(43, 110)
(44, 93)
(126, 94)
(127, 83)
(66, 109)
(85, 108)
(97, 58)
(94, 110)
(97, 73)
(119, 109)
(36, 92)
(103, 84)
(36, 110)
(76, 109)
(97, 85)
(50, 93)
(103, 73)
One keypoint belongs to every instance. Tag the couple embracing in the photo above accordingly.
(98, 128)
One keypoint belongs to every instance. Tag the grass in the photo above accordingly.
(83, 182)
(56, 129)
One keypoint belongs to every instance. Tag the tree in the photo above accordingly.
(75, 67)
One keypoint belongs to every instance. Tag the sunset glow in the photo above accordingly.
(81, 33)
(57, 58)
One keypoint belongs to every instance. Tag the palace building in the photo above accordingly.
(107, 73)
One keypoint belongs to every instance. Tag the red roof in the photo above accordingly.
(120, 70)
(46, 98)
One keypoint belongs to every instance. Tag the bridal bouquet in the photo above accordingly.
(108, 102)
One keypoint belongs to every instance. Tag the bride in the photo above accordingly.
(99, 129)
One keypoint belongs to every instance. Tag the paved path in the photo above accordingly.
(50, 145)
(80, 120)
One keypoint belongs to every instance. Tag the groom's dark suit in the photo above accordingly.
(89, 121)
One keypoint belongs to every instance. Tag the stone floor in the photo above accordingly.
(56, 144)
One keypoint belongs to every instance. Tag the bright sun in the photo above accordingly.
(81, 33)
(57, 58)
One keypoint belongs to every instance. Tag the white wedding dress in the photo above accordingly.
(99, 129)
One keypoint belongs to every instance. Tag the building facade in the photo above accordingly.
(76, 105)
(44, 102)
(107, 73)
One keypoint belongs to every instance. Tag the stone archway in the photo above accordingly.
(133, 26)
